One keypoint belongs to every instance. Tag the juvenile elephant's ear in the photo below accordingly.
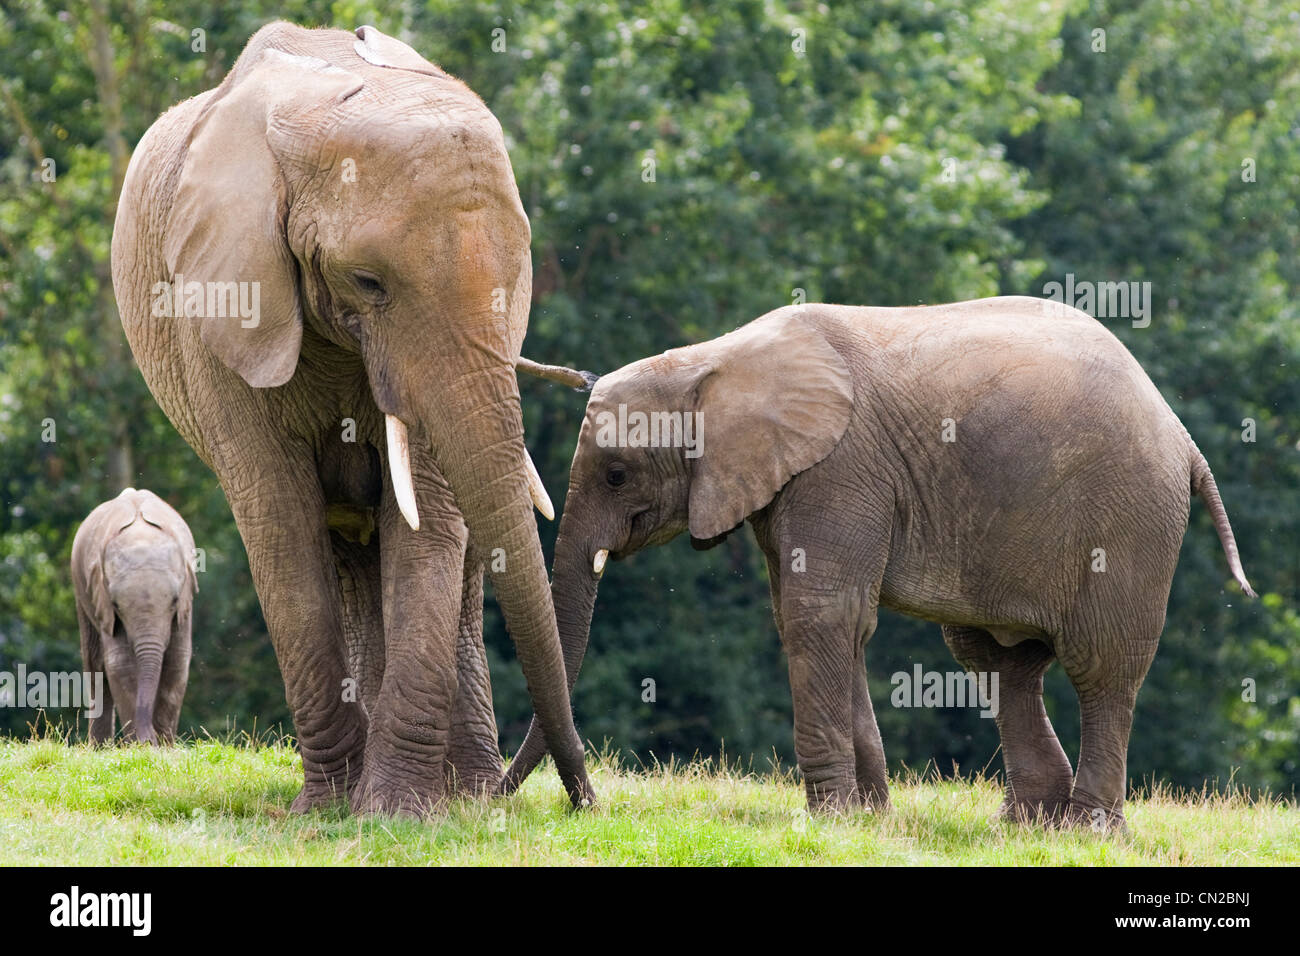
(228, 220)
(774, 400)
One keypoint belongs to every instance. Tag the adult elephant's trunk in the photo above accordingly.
(480, 448)
(573, 590)
(149, 651)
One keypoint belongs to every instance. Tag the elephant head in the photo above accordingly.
(355, 194)
(134, 581)
(696, 439)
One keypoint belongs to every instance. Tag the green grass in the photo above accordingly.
(223, 803)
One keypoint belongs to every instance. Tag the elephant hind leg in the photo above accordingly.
(473, 763)
(1038, 774)
(1107, 687)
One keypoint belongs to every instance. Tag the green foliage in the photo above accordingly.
(889, 153)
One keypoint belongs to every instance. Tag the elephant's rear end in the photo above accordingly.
(1043, 486)
(1026, 448)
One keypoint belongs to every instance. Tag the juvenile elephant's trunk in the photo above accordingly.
(573, 590)
(480, 449)
(148, 663)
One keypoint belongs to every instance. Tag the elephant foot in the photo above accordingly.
(1087, 812)
(873, 798)
(1037, 795)
(148, 738)
(826, 797)
(473, 765)
(476, 783)
(1028, 810)
(398, 802)
(321, 790)
(412, 790)
(315, 796)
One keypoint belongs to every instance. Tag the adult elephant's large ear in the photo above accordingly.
(774, 399)
(380, 49)
(227, 222)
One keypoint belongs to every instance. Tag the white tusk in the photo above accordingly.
(599, 564)
(399, 466)
(538, 491)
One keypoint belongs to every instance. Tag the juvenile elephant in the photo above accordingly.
(134, 584)
(963, 463)
(323, 270)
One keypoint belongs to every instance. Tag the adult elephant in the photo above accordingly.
(1003, 467)
(323, 270)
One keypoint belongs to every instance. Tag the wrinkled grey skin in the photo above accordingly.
(134, 585)
(369, 197)
(824, 427)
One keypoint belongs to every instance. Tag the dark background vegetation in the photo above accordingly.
(775, 171)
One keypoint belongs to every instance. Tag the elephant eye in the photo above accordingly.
(370, 285)
(616, 475)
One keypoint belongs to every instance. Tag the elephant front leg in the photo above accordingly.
(363, 617)
(171, 688)
(410, 726)
(92, 661)
(120, 687)
(868, 749)
(831, 737)
(101, 727)
(474, 763)
(821, 658)
(280, 516)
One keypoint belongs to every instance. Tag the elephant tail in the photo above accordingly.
(1204, 486)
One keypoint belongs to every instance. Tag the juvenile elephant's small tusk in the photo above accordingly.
(399, 466)
(598, 566)
(538, 491)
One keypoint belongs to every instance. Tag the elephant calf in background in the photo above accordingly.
(135, 584)
(962, 463)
